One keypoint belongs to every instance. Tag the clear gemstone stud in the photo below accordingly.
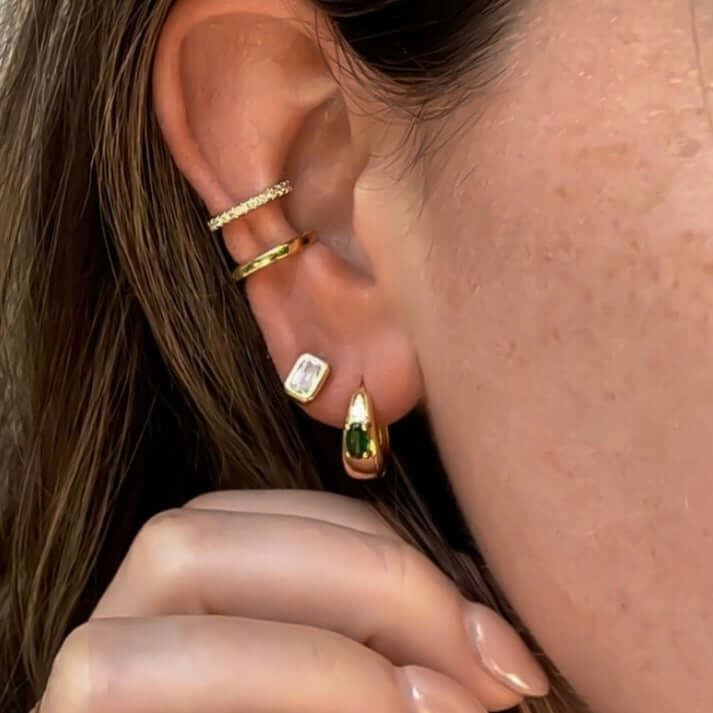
(306, 378)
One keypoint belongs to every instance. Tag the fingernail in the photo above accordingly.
(502, 652)
(427, 691)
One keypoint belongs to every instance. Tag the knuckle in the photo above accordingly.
(78, 679)
(320, 658)
(165, 545)
(397, 560)
(406, 572)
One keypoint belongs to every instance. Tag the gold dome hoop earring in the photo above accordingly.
(273, 255)
(365, 444)
(238, 211)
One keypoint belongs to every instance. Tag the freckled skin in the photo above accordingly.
(561, 303)
(702, 17)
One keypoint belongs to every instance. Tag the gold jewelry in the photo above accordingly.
(365, 445)
(273, 255)
(306, 378)
(238, 211)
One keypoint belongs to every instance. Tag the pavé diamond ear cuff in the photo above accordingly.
(238, 211)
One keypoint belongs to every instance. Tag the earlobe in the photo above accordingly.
(245, 100)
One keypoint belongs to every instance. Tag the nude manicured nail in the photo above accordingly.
(428, 691)
(502, 652)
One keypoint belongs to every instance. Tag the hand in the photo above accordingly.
(285, 601)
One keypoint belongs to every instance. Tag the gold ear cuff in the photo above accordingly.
(273, 255)
(238, 211)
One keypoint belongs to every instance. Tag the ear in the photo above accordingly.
(245, 98)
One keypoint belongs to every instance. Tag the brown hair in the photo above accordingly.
(132, 375)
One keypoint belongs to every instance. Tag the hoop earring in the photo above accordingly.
(273, 255)
(365, 445)
(238, 211)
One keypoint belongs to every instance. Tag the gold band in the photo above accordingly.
(273, 255)
(238, 211)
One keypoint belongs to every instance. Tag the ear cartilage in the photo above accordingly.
(238, 211)
(273, 255)
(306, 378)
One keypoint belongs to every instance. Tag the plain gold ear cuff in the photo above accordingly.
(365, 444)
(238, 211)
(273, 255)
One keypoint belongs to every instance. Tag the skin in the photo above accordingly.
(563, 329)
(214, 609)
(541, 285)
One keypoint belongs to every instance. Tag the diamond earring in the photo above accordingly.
(306, 378)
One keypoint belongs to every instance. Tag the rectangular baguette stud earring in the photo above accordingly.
(306, 378)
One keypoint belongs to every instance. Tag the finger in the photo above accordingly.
(221, 664)
(319, 505)
(359, 515)
(373, 589)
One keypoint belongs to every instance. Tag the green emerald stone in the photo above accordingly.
(359, 444)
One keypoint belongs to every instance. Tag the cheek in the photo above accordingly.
(565, 337)
(572, 394)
